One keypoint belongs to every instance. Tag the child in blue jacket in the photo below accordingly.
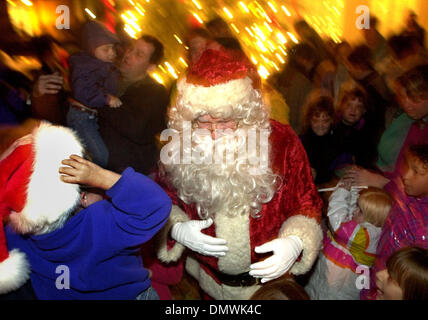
(95, 254)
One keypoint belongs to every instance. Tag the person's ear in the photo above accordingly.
(357, 210)
(83, 199)
(151, 68)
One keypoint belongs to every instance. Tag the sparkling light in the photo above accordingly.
(27, 2)
(280, 58)
(244, 7)
(197, 4)
(198, 18)
(234, 28)
(89, 12)
(171, 70)
(293, 37)
(264, 28)
(178, 39)
(183, 62)
(228, 13)
(281, 38)
(263, 72)
(286, 11)
(272, 7)
(157, 78)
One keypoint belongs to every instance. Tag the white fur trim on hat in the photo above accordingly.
(173, 254)
(49, 200)
(217, 99)
(310, 232)
(14, 271)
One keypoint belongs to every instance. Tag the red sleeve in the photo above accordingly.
(168, 274)
(299, 193)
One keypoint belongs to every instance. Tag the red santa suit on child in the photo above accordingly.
(243, 222)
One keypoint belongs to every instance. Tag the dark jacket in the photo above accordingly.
(357, 142)
(129, 132)
(321, 151)
(92, 79)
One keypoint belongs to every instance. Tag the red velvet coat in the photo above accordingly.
(296, 197)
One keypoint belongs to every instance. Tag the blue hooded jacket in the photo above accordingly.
(96, 254)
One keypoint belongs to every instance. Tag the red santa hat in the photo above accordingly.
(219, 83)
(32, 196)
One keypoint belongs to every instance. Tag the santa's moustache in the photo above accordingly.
(222, 177)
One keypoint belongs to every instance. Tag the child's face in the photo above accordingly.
(106, 53)
(321, 123)
(358, 216)
(387, 288)
(415, 177)
(353, 110)
(414, 109)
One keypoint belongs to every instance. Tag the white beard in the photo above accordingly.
(229, 187)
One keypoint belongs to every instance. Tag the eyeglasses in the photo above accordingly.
(230, 124)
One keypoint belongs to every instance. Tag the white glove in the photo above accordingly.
(285, 252)
(189, 234)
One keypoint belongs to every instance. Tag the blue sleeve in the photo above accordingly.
(140, 207)
(86, 84)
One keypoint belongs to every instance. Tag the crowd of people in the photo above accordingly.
(345, 190)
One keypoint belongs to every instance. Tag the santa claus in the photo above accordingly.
(243, 222)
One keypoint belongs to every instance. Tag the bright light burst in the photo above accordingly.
(264, 28)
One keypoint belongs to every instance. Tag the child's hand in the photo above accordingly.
(346, 184)
(80, 171)
(84, 172)
(362, 177)
(114, 102)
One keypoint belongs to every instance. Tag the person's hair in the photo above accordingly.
(88, 189)
(374, 22)
(361, 57)
(196, 32)
(412, 14)
(409, 268)
(403, 46)
(420, 151)
(42, 45)
(218, 25)
(304, 29)
(303, 51)
(284, 288)
(229, 43)
(375, 205)
(351, 90)
(315, 107)
(341, 45)
(157, 54)
(415, 83)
